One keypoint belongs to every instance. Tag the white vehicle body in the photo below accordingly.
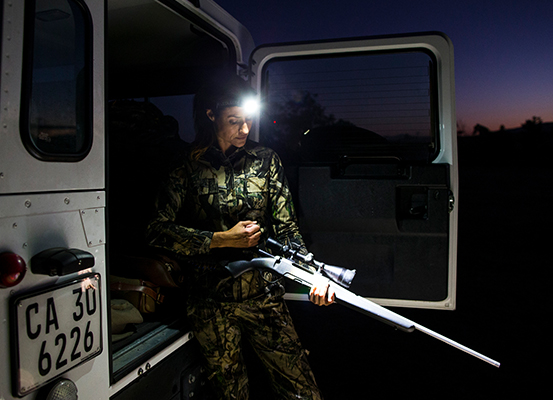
(60, 200)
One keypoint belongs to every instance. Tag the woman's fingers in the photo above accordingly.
(242, 235)
(321, 293)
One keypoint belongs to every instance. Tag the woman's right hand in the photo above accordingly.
(242, 235)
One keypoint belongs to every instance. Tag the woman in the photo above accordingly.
(229, 195)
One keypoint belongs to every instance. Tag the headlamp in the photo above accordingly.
(250, 105)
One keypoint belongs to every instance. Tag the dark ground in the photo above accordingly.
(505, 221)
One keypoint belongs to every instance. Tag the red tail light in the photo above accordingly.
(12, 269)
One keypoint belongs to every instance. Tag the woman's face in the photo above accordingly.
(232, 127)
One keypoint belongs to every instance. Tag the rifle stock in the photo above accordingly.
(291, 270)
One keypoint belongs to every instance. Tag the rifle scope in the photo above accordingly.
(340, 275)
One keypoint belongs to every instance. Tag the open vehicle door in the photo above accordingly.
(366, 130)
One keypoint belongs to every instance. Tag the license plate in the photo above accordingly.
(55, 330)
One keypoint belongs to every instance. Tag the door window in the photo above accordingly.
(377, 104)
(56, 108)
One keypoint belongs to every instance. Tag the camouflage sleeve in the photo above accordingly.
(163, 232)
(283, 214)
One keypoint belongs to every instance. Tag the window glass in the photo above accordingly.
(56, 116)
(180, 108)
(379, 104)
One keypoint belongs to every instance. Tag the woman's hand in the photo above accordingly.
(321, 293)
(242, 235)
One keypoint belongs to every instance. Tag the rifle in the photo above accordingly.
(304, 269)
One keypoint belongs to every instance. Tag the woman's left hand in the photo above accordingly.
(321, 293)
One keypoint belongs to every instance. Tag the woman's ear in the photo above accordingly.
(210, 114)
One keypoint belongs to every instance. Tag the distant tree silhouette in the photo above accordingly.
(461, 128)
(531, 142)
(533, 126)
(285, 122)
(480, 130)
(299, 114)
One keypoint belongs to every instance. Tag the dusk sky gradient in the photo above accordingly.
(503, 50)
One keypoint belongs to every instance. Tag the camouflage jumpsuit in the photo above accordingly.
(213, 194)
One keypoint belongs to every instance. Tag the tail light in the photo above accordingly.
(12, 269)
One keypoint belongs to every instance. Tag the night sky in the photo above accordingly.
(503, 50)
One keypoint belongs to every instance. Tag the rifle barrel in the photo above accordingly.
(456, 345)
(290, 270)
(366, 306)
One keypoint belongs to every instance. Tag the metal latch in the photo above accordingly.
(451, 201)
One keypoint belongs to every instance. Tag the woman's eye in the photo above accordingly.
(236, 121)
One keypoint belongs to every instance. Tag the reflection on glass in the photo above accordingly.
(365, 101)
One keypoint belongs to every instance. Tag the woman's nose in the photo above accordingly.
(245, 128)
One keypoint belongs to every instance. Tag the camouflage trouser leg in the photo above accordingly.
(268, 327)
